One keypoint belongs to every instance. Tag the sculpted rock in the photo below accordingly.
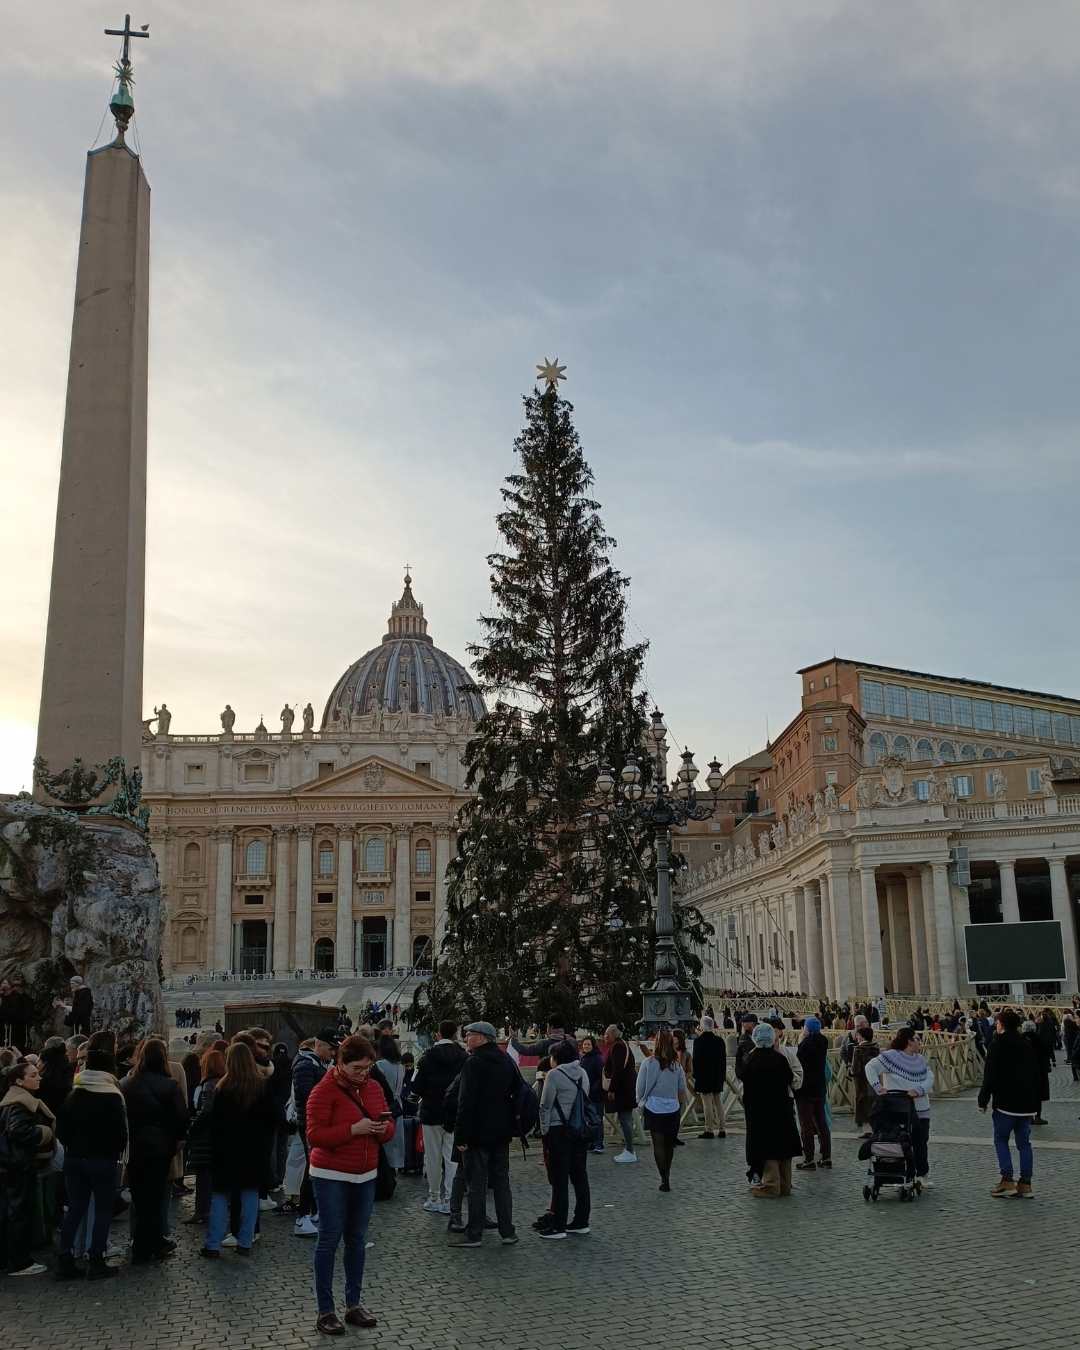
(81, 896)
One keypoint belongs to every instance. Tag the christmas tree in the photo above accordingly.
(549, 905)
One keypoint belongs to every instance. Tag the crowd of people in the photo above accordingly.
(322, 1135)
(186, 1018)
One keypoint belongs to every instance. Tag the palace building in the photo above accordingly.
(894, 810)
(319, 849)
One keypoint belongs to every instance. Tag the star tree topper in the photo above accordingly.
(551, 372)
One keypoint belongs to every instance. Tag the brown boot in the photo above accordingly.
(1006, 1186)
(1023, 1191)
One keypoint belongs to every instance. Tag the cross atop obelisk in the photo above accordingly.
(91, 687)
(123, 104)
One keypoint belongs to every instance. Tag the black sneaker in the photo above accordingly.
(455, 1226)
(806, 1167)
(707, 1135)
(825, 1162)
(577, 1227)
(466, 1241)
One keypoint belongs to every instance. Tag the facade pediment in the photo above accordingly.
(375, 777)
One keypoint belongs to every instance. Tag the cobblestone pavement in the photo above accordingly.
(705, 1266)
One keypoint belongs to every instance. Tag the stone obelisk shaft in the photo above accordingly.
(91, 692)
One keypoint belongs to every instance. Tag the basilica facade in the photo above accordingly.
(317, 849)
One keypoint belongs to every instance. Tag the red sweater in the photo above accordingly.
(332, 1108)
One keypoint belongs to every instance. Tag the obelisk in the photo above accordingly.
(91, 689)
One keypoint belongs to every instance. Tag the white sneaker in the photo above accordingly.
(432, 1206)
(625, 1157)
(267, 1204)
(304, 1227)
(34, 1269)
(256, 1238)
(926, 1183)
(444, 1207)
(228, 1240)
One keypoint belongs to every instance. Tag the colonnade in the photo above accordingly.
(849, 930)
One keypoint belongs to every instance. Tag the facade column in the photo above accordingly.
(442, 862)
(828, 941)
(871, 922)
(302, 950)
(1063, 912)
(926, 887)
(920, 966)
(814, 958)
(159, 843)
(840, 911)
(344, 960)
(269, 947)
(223, 901)
(961, 908)
(278, 955)
(402, 897)
(237, 947)
(1010, 902)
(943, 927)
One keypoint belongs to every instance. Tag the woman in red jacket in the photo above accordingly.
(348, 1117)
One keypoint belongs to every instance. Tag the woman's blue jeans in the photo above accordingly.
(344, 1212)
(219, 1218)
(1004, 1126)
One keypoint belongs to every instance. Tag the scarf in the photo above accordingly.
(96, 1080)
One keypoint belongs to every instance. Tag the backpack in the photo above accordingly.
(526, 1110)
(584, 1119)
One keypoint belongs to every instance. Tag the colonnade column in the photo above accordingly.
(903, 958)
(237, 946)
(1010, 902)
(926, 886)
(302, 952)
(344, 960)
(279, 948)
(828, 939)
(920, 954)
(943, 927)
(402, 898)
(871, 917)
(840, 910)
(1063, 912)
(223, 901)
(442, 862)
(813, 957)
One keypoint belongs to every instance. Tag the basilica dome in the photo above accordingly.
(406, 672)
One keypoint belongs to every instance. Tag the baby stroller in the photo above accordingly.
(889, 1148)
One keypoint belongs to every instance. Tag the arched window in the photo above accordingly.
(189, 944)
(375, 854)
(968, 752)
(423, 858)
(326, 859)
(1010, 754)
(1065, 763)
(421, 953)
(990, 753)
(901, 746)
(924, 750)
(192, 861)
(255, 858)
(875, 748)
(947, 752)
(324, 956)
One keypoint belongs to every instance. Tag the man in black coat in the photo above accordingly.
(710, 1071)
(1011, 1083)
(438, 1068)
(483, 1129)
(813, 1051)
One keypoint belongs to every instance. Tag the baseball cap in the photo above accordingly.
(328, 1034)
(482, 1029)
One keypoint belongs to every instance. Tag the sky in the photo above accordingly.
(811, 266)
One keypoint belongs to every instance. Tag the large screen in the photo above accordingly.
(1008, 953)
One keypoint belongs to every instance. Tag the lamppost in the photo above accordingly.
(665, 1002)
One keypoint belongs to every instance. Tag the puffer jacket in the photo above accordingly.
(157, 1114)
(332, 1108)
